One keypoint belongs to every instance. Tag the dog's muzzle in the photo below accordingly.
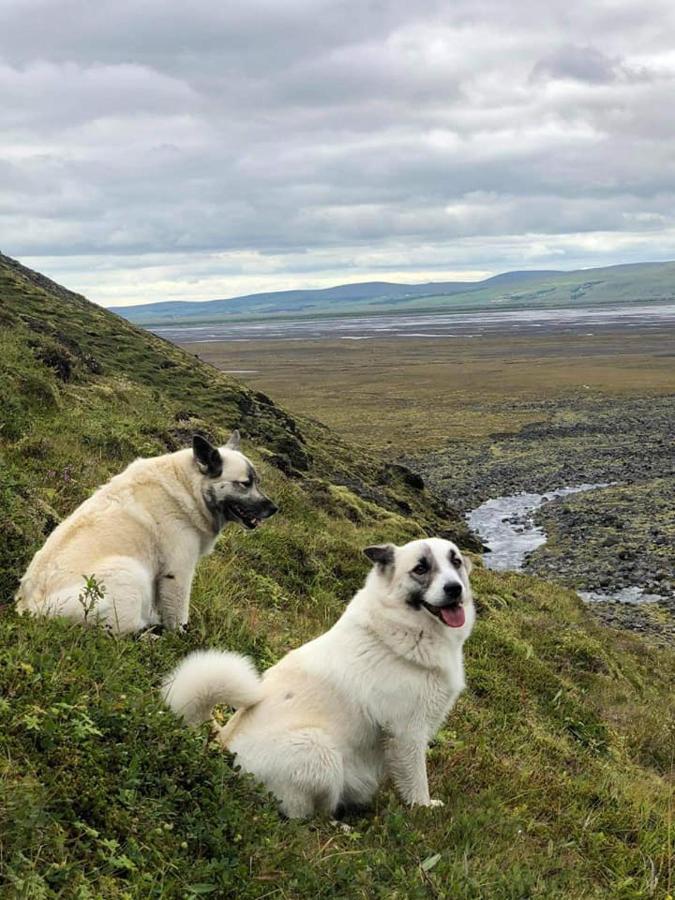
(251, 517)
(453, 615)
(451, 611)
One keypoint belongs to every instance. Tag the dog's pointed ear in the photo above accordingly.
(382, 554)
(234, 441)
(207, 457)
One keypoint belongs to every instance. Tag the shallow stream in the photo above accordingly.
(507, 528)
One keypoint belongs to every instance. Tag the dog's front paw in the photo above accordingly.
(428, 803)
(152, 633)
(149, 636)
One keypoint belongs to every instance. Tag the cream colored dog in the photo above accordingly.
(141, 536)
(323, 726)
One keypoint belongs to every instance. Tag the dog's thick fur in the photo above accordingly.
(141, 536)
(323, 726)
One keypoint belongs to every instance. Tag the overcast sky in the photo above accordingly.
(164, 149)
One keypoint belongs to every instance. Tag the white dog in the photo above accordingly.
(141, 535)
(323, 726)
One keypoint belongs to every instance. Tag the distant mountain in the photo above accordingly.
(636, 282)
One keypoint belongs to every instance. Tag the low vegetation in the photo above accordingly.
(556, 767)
(411, 396)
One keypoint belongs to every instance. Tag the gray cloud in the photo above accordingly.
(161, 148)
(578, 63)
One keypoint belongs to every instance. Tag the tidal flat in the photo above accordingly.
(486, 416)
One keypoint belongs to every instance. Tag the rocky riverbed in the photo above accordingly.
(507, 528)
(605, 542)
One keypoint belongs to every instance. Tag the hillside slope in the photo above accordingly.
(637, 282)
(555, 768)
(323, 300)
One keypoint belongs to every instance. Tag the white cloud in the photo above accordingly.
(162, 149)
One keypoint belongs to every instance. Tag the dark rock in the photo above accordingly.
(394, 471)
(59, 360)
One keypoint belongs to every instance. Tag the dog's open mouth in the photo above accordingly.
(247, 519)
(453, 615)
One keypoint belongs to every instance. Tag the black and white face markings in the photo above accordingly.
(229, 498)
(435, 582)
(422, 574)
(455, 559)
(250, 481)
(429, 575)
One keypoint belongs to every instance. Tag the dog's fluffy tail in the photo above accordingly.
(209, 677)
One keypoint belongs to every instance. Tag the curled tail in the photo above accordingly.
(206, 678)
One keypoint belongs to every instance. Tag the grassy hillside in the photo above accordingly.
(638, 282)
(634, 283)
(556, 767)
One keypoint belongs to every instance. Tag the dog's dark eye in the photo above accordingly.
(456, 561)
(244, 484)
(421, 568)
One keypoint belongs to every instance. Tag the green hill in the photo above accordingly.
(555, 767)
(632, 283)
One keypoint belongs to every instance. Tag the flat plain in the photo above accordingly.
(486, 416)
(411, 395)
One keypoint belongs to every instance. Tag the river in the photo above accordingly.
(507, 528)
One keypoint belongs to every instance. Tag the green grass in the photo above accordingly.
(556, 767)
(553, 767)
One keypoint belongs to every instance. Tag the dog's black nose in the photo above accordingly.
(452, 590)
(270, 509)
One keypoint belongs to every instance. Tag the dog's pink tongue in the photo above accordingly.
(453, 616)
